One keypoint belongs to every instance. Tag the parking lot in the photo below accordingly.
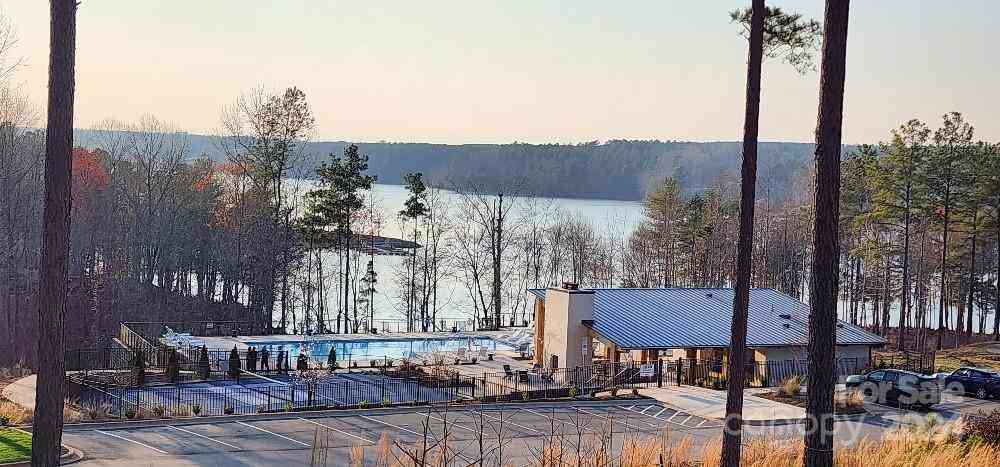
(513, 431)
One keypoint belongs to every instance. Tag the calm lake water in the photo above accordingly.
(609, 217)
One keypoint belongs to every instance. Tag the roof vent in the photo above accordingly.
(786, 325)
(708, 294)
(570, 286)
(785, 316)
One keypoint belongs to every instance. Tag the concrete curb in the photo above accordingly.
(72, 455)
(796, 421)
(113, 424)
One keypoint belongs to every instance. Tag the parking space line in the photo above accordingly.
(273, 433)
(131, 441)
(703, 421)
(390, 425)
(685, 420)
(453, 424)
(658, 413)
(674, 415)
(606, 418)
(643, 411)
(182, 430)
(552, 418)
(510, 423)
(338, 431)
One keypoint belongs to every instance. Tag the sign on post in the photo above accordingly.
(647, 370)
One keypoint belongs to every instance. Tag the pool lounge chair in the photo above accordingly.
(507, 374)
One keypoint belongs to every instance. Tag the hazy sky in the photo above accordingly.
(513, 70)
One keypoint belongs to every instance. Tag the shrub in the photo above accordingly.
(573, 392)
(388, 362)
(139, 368)
(14, 414)
(790, 386)
(525, 396)
(635, 391)
(386, 403)
(196, 409)
(363, 405)
(501, 397)
(983, 427)
(234, 363)
(373, 363)
(228, 410)
(289, 406)
(158, 410)
(130, 412)
(173, 367)
(204, 369)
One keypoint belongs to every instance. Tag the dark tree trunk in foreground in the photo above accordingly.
(48, 418)
(732, 437)
(824, 278)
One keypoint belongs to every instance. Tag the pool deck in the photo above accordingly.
(243, 342)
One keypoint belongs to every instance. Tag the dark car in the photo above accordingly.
(899, 387)
(979, 382)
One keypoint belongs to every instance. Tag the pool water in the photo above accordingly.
(365, 350)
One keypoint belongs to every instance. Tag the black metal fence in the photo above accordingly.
(919, 362)
(261, 396)
(714, 374)
(541, 383)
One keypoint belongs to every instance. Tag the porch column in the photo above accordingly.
(539, 356)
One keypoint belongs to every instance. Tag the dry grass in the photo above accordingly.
(13, 414)
(790, 386)
(983, 354)
(931, 445)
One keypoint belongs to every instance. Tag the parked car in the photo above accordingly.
(900, 387)
(982, 383)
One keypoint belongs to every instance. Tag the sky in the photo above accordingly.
(461, 71)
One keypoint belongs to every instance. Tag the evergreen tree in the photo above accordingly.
(946, 179)
(414, 208)
(335, 203)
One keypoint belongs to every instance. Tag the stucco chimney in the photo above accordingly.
(565, 335)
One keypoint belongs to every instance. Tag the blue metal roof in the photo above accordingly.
(682, 318)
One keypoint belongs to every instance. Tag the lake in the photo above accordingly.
(609, 217)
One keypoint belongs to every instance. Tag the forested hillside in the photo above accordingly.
(617, 169)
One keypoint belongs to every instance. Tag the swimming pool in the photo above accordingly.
(368, 349)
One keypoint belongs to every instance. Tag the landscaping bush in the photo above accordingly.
(158, 410)
(301, 363)
(204, 369)
(173, 367)
(130, 412)
(573, 392)
(363, 405)
(13, 413)
(289, 406)
(983, 427)
(525, 396)
(331, 360)
(139, 368)
(386, 403)
(790, 386)
(234, 364)
(196, 409)
(228, 410)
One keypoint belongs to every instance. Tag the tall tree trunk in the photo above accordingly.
(48, 418)
(904, 309)
(996, 303)
(944, 269)
(825, 275)
(733, 434)
(972, 277)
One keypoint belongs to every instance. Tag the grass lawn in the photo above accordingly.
(15, 445)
